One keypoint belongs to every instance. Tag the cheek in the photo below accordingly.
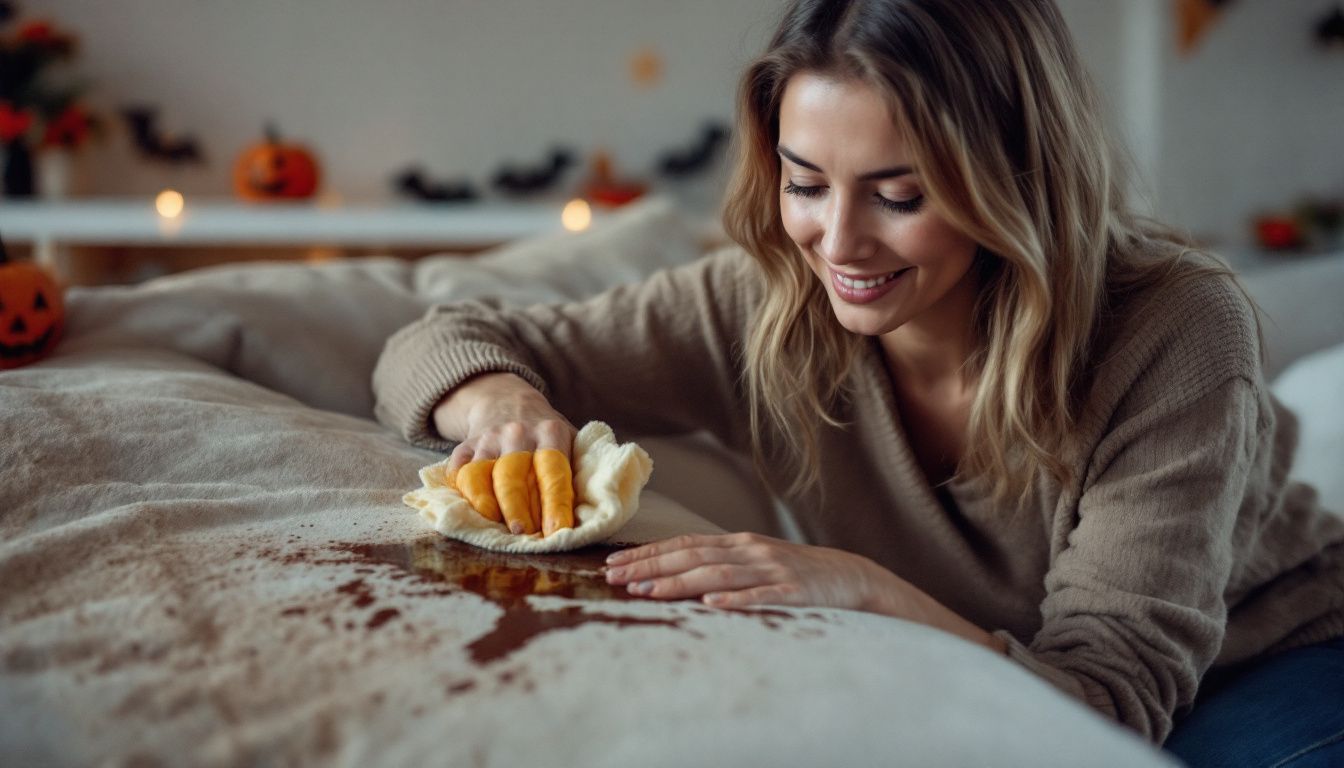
(791, 216)
(933, 245)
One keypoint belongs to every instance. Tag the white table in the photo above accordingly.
(49, 225)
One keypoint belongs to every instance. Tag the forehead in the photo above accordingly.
(822, 114)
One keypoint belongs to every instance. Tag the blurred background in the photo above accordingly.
(1233, 109)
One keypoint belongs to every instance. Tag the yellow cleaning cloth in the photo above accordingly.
(608, 477)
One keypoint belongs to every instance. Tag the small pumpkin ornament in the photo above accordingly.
(32, 312)
(276, 170)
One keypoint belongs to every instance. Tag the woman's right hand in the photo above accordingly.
(495, 415)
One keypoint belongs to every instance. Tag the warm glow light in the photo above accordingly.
(169, 203)
(577, 215)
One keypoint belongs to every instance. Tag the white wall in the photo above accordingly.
(460, 85)
(1253, 119)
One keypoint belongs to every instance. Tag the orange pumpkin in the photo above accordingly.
(275, 170)
(32, 312)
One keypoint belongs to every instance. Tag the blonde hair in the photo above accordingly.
(1005, 129)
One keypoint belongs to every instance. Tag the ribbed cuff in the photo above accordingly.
(1081, 688)
(416, 371)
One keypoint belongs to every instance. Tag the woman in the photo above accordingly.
(1001, 404)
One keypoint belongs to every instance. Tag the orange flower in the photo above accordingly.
(13, 122)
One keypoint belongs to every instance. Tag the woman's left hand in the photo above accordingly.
(741, 569)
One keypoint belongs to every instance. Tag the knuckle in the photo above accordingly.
(552, 428)
(511, 431)
(719, 572)
(762, 552)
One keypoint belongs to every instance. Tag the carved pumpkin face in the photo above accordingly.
(275, 170)
(32, 313)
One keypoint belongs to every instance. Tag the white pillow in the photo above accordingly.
(1313, 388)
(314, 332)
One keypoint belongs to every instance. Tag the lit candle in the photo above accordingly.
(577, 215)
(169, 203)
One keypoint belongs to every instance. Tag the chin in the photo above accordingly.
(864, 322)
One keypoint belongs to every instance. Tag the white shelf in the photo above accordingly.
(224, 222)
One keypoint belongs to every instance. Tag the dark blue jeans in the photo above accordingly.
(1285, 711)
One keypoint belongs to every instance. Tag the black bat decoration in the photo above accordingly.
(694, 158)
(143, 123)
(1330, 29)
(412, 181)
(516, 181)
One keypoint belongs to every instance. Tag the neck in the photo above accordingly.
(932, 349)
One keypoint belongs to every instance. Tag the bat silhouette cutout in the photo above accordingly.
(413, 182)
(696, 157)
(521, 181)
(143, 124)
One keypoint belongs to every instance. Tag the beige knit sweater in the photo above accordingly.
(1178, 547)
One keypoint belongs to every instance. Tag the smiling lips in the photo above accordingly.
(862, 291)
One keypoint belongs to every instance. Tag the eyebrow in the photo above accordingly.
(884, 173)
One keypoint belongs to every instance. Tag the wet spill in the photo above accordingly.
(444, 566)
(433, 566)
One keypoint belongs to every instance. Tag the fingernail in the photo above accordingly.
(613, 557)
(641, 587)
(615, 573)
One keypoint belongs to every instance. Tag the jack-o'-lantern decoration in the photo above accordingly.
(276, 170)
(32, 312)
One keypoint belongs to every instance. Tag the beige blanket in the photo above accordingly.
(204, 560)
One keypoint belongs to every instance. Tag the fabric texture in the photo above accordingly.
(1179, 546)
(1280, 712)
(204, 558)
(608, 477)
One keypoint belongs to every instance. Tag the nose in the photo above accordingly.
(844, 237)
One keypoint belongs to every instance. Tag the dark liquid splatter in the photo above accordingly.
(382, 617)
(447, 566)
(359, 590)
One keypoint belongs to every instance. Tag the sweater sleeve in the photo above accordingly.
(1134, 612)
(658, 357)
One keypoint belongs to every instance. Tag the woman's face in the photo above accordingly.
(853, 203)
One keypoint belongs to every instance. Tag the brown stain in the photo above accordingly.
(382, 617)
(443, 566)
(434, 566)
(523, 624)
(361, 592)
(462, 687)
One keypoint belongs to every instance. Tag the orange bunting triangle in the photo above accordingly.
(1193, 18)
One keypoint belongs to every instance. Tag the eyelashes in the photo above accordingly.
(897, 206)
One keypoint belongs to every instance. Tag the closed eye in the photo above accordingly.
(898, 206)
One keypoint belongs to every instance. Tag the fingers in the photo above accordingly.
(520, 474)
(769, 594)
(691, 571)
(475, 482)
(682, 542)
(555, 482)
(460, 457)
(706, 579)
(558, 436)
(510, 477)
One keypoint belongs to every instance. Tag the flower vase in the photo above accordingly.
(56, 168)
(18, 171)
